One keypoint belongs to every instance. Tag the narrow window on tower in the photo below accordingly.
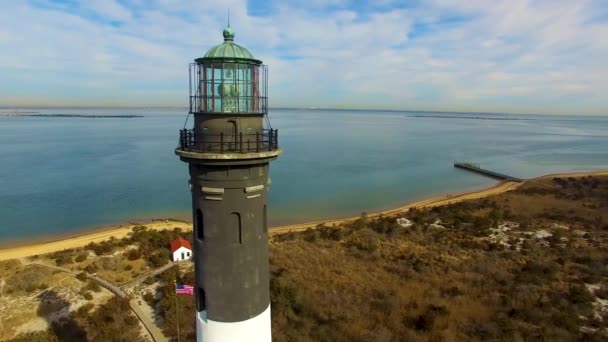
(235, 221)
(202, 303)
(200, 228)
(265, 220)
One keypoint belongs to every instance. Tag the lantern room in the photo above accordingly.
(228, 80)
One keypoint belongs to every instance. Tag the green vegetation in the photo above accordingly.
(448, 277)
(28, 280)
(152, 245)
(112, 321)
(165, 302)
(38, 336)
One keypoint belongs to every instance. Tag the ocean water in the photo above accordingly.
(62, 175)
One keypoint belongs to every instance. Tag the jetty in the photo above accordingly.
(474, 167)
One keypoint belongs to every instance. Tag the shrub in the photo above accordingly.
(112, 321)
(63, 259)
(29, 280)
(310, 235)
(30, 287)
(450, 292)
(149, 298)
(158, 259)
(83, 310)
(327, 233)
(81, 257)
(363, 240)
(37, 336)
(88, 296)
(101, 248)
(538, 272)
(133, 254)
(130, 320)
(82, 276)
(602, 292)
(92, 285)
(91, 268)
(578, 294)
(150, 280)
(139, 229)
(484, 331)
(426, 320)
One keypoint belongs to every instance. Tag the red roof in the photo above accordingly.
(179, 242)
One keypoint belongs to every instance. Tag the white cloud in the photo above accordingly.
(518, 55)
(108, 8)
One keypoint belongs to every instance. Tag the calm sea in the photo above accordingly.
(61, 175)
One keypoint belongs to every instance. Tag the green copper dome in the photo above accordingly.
(228, 50)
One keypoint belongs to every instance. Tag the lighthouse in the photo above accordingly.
(228, 152)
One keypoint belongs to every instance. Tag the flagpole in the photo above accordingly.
(176, 311)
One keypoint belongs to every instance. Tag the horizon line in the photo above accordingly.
(13, 107)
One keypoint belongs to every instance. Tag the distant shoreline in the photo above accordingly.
(81, 239)
(95, 116)
(387, 110)
(467, 117)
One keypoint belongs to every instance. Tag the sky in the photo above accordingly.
(515, 56)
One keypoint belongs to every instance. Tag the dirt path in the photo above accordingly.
(143, 277)
(154, 332)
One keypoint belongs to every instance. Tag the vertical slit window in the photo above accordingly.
(200, 228)
(265, 220)
(202, 302)
(235, 221)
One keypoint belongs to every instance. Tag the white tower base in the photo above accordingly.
(256, 329)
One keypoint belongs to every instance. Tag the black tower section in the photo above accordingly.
(228, 152)
(230, 239)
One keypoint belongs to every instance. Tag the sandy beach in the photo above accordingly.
(121, 231)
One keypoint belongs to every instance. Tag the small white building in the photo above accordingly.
(181, 249)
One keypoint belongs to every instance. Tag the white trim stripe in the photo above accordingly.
(254, 188)
(212, 190)
(255, 329)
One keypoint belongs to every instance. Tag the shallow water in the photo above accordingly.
(59, 175)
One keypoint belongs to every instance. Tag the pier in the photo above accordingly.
(473, 167)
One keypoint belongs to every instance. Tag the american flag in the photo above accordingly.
(184, 289)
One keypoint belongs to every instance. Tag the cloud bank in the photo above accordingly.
(501, 56)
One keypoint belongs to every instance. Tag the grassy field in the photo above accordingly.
(529, 264)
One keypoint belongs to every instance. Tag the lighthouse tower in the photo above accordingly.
(228, 153)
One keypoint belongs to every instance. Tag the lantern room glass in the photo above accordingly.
(230, 88)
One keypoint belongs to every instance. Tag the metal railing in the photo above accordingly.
(267, 140)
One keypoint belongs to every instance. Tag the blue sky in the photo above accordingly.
(518, 56)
